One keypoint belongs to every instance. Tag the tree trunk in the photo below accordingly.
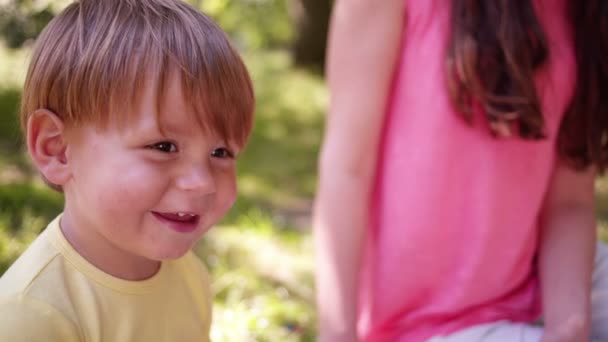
(312, 23)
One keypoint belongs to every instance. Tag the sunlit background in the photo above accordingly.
(260, 256)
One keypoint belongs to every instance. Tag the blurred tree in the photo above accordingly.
(21, 20)
(301, 25)
(253, 24)
(312, 21)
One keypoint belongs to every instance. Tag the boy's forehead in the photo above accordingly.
(175, 112)
(162, 106)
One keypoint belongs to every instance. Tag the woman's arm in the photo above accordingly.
(363, 48)
(567, 250)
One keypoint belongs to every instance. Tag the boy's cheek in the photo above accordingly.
(119, 190)
(229, 204)
(225, 201)
(113, 202)
(231, 194)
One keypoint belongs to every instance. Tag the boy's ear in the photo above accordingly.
(47, 146)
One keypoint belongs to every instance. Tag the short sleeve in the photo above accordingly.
(24, 319)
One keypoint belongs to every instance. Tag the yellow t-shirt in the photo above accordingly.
(51, 293)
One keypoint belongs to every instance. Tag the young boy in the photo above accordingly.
(135, 110)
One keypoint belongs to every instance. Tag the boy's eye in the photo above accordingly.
(164, 146)
(222, 153)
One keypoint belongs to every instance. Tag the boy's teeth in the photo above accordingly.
(180, 214)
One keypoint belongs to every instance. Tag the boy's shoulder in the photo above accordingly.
(39, 259)
(23, 318)
(32, 274)
(190, 262)
(41, 289)
(195, 276)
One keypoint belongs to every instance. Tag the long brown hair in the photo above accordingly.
(497, 46)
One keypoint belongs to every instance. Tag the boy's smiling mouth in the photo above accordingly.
(181, 221)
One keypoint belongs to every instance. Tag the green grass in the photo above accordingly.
(263, 284)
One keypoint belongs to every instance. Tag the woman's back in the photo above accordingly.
(454, 223)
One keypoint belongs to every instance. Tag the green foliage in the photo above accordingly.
(21, 20)
(253, 24)
(25, 209)
(16, 200)
(10, 136)
(13, 64)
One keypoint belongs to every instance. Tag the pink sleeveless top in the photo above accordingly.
(454, 222)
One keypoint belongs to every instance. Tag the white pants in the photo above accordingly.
(505, 331)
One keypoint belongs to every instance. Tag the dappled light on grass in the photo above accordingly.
(267, 22)
(262, 282)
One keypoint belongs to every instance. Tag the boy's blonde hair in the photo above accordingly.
(92, 62)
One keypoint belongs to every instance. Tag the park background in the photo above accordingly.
(260, 255)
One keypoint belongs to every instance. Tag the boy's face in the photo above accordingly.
(144, 193)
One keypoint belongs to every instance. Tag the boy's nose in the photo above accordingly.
(197, 178)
